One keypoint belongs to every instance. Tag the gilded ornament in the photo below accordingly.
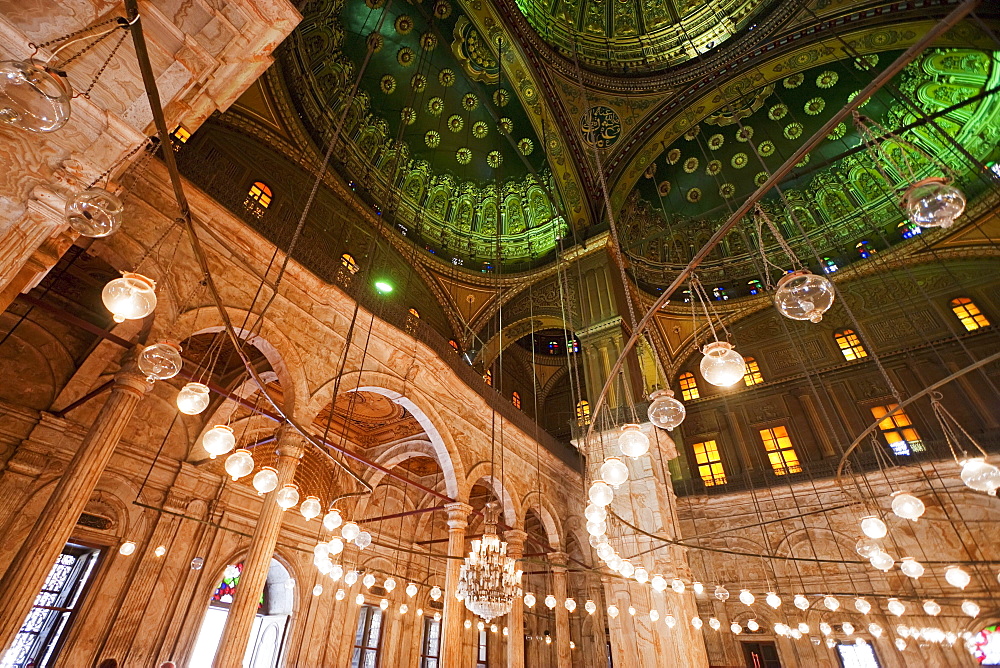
(866, 62)
(507, 126)
(673, 155)
(692, 132)
(838, 132)
(428, 41)
(446, 77)
(804, 161)
(714, 167)
(793, 81)
(455, 123)
(727, 190)
(480, 129)
(827, 79)
(815, 106)
(716, 141)
(601, 126)
(463, 155)
(744, 134)
(694, 195)
(469, 101)
(418, 82)
(432, 138)
(650, 171)
(408, 115)
(663, 188)
(388, 84)
(375, 42)
(765, 148)
(759, 178)
(375, 4)
(850, 98)
(739, 160)
(442, 9)
(501, 98)
(403, 24)
(690, 165)
(405, 56)
(494, 158)
(435, 106)
(525, 146)
(793, 131)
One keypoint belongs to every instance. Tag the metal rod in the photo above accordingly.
(85, 398)
(956, 15)
(403, 514)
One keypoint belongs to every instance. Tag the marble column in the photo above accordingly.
(515, 618)
(451, 640)
(27, 572)
(239, 623)
(557, 561)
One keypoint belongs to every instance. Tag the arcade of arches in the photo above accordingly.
(417, 252)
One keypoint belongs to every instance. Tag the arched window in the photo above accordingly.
(516, 400)
(583, 412)
(968, 313)
(258, 198)
(865, 248)
(755, 286)
(719, 294)
(829, 266)
(488, 378)
(553, 347)
(752, 375)
(574, 345)
(908, 230)
(689, 386)
(348, 262)
(415, 313)
(452, 342)
(850, 345)
(181, 134)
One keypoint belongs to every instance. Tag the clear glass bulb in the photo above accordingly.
(677, 585)
(753, 625)
(736, 628)
(664, 410)
(411, 589)
(160, 361)
(866, 547)
(831, 603)
(265, 480)
(911, 567)
(641, 575)
(287, 496)
(747, 598)
(604, 551)
(875, 630)
(800, 602)
(336, 545)
(907, 506)
(131, 297)
(612, 611)
(802, 295)
(971, 608)
(932, 608)
(614, 471)
(550, 602)
(590, 607)
(714, 623)
(658, 583)
(627, 569)
(981, 476)
(239, 464)
(721, 593)
(698, 588)
(873, 527)
(332, 520)
(33, 97)
(696, 622)
(600, 493)
(773, 600)
(310, 508)
(895, 606)
(722, 366)
(193, 398)
(218, 440)
(862, 605)
(933, 202)
(882, 561)
(956, 576)
(654, 615)
(596, 528)
(595, 513)
(350, 531)
(529, 600)
(363, 540)
(632, 442)
(94, 212)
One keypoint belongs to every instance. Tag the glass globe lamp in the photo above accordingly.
(321, 551)
(825, 628)
(350, 531)
(368, 580)
(127, 548)
(332, 520)
(597, 540)
(800, 602)
(746, 598)
(336, 545)
(340, 595)
(862, 605)
(882, 561)
(570, 604)
(435, 592)
(33, 97)
(773, 600)
(310, 508)
(595, 513)
(363, 540)
(383, 604)
(664, 411)
(875, 630)
(627, 569)
(411, 589)
(239, 464)
(911, 567)
(802, 295)
(550, 602)
(696, 622)
(265, 480)
(403, 608)
(529, 600)
(350, 577)
(714, 623)
(932, 608)
(670, 621)
(641, 575)
(980, 475)
(631, 610)
(612, 611)
(600, 493)
(831, 603)
(933, 202)
(658, 583)
(721, 593)
(956, 576)
(803, 627)
(722, 366)
(632, 442)
(654, 615)
(900, 644)
(590, 607)
(287, 496)
(895, 606)
(873, 527)
(848, 628)
(605, 551)
(336, 572)
(736, 628)
(971, 608)
(94, 212)
(160, 361)
(614, 472)
(218, 440)
(907, 506)
(193, 398)
(677, 585)
(866, 547)
(753, 625)
(131, 297)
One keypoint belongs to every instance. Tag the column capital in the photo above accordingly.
(558, 561)
(515, 542)
(290, 442)
(129, 378)
(458, 514)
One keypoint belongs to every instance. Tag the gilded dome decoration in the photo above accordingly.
(403, 24)
(815, 106)
(405, 56)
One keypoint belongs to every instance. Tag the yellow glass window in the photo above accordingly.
(259, 194)
(181, 134)
(898, 430)
(779, 449)
(451, 342)
(415, 313)
(752, 376)
(516, 400)
(850, 345)
(709, 463)
(583, 412)
(689, 386)
(968, 314)
(348, 262)
(488, 378)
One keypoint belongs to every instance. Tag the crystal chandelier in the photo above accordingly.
(489, 581)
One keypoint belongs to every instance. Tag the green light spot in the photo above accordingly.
(382, 287)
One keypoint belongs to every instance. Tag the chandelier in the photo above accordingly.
(489, 582)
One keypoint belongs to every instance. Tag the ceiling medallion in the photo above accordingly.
(601, 126)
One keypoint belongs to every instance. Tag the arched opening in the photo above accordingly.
(270, 627)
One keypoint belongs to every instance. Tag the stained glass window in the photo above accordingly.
(482, 650)
(908, 230)
(968, 313)
(488, 378)
(553, 347)
(454, 344)
(986, 646)
(829, 265)
(865, 249)
(689, 386)
(897, 430)
(574, 345)
(230, 578)
(779, 449)
(348, 262)
(850, 345)
(258, 198)
(583, 412)
(755, 286)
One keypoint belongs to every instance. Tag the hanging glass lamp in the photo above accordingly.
(802, 295)
(33, 97)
